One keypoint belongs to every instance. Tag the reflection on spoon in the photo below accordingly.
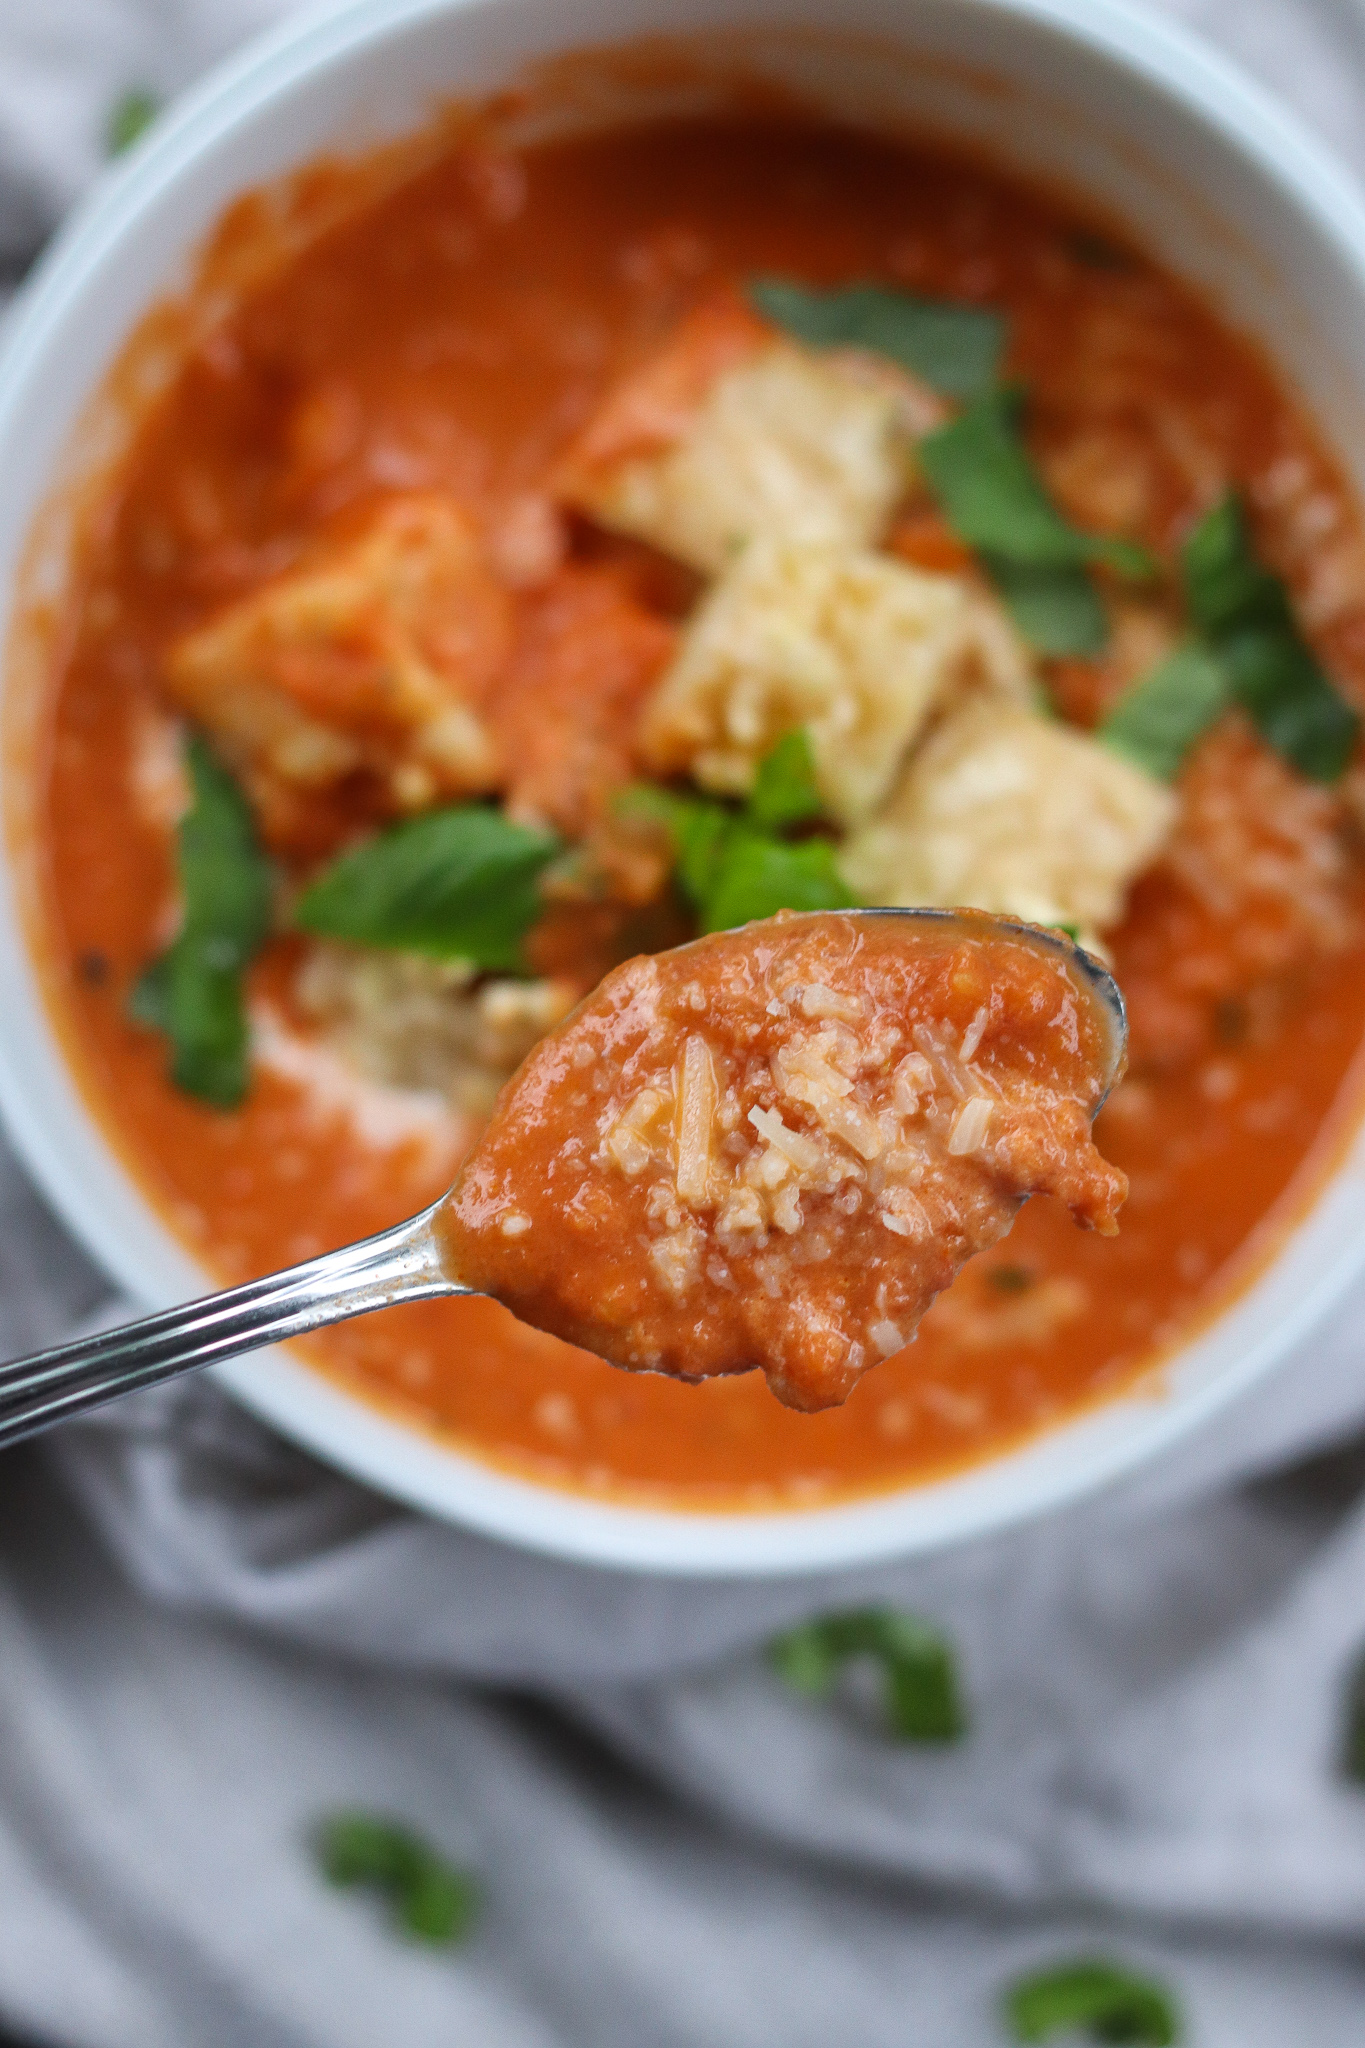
(770, 1149)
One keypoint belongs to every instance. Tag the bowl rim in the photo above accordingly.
(361, 1438)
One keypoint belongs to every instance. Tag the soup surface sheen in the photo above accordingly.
(455, 338)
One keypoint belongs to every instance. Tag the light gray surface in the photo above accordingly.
(1154, 1678)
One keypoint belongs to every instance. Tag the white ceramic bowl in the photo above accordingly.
(1208, 171)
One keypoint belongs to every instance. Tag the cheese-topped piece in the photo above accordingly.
(366, 662)
(852, 647)
(1014, 813)
(728, 434)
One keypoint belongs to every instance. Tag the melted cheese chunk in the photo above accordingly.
(853, 647)
(1013, 813)
(787, 445)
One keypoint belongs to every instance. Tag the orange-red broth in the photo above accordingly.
(465, 325)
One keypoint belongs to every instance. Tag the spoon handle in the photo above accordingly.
(402, 1264)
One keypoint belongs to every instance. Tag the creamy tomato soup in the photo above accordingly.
(585, 548)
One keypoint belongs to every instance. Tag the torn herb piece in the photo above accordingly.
(1094, 1997)
(1226, 587)
(194, 992)
(455, 884)
(993, 497)
(955, 348)
(128, 118)
(1277, 678)
(1057, 610)
(757, 876)
(1157, 721)
(1272, 672)
(785, 792)
(920, 1688)
(429, 1897)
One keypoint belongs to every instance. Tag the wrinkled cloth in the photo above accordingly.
(207, 1640)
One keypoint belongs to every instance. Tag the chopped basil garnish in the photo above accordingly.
(457, 884)
(1245, 613)
(922, 1699)
(193, 993)
(1057, 610)
(994, 499)
(756, 876)
(733, 865)
(1092, 1997)
(1249, 651)
(785, 791)
(1157, 722)
(956, 348)
(429, 1898)
(128, 117)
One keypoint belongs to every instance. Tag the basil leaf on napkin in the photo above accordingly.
(456, 884)
(194, 992)
(920, 1687)
(1092, 1997)
(955, 348)
(429, 1897)
(1158, 720)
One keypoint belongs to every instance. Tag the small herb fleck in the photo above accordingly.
(92, 968)
(1010, 1279)
(1094, 1998)
(128, 118)
(922, 1699)
(428, 1897)
(1097, 252)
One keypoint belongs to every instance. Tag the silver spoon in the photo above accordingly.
(403, 1264)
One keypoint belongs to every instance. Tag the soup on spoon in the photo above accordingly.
(774, 1146)
(769, 1149)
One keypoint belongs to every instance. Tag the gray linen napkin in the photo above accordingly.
(1154, 1678)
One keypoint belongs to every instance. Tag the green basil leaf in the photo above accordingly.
(1057, 610)
(1225, 586)
(994, 499)
(696, 826)
(955, 348)
(457, 884)
(1093, 1997)
(757, 876)
(785, 791)
(429, 1897)
(194, 992)
(923, 1702)
(1246, 615)
(1158, 720)
(1277, 678)
(922, 1699)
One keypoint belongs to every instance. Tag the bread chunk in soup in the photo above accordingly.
(359, 670)
(774, 1147)
(729, 434)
